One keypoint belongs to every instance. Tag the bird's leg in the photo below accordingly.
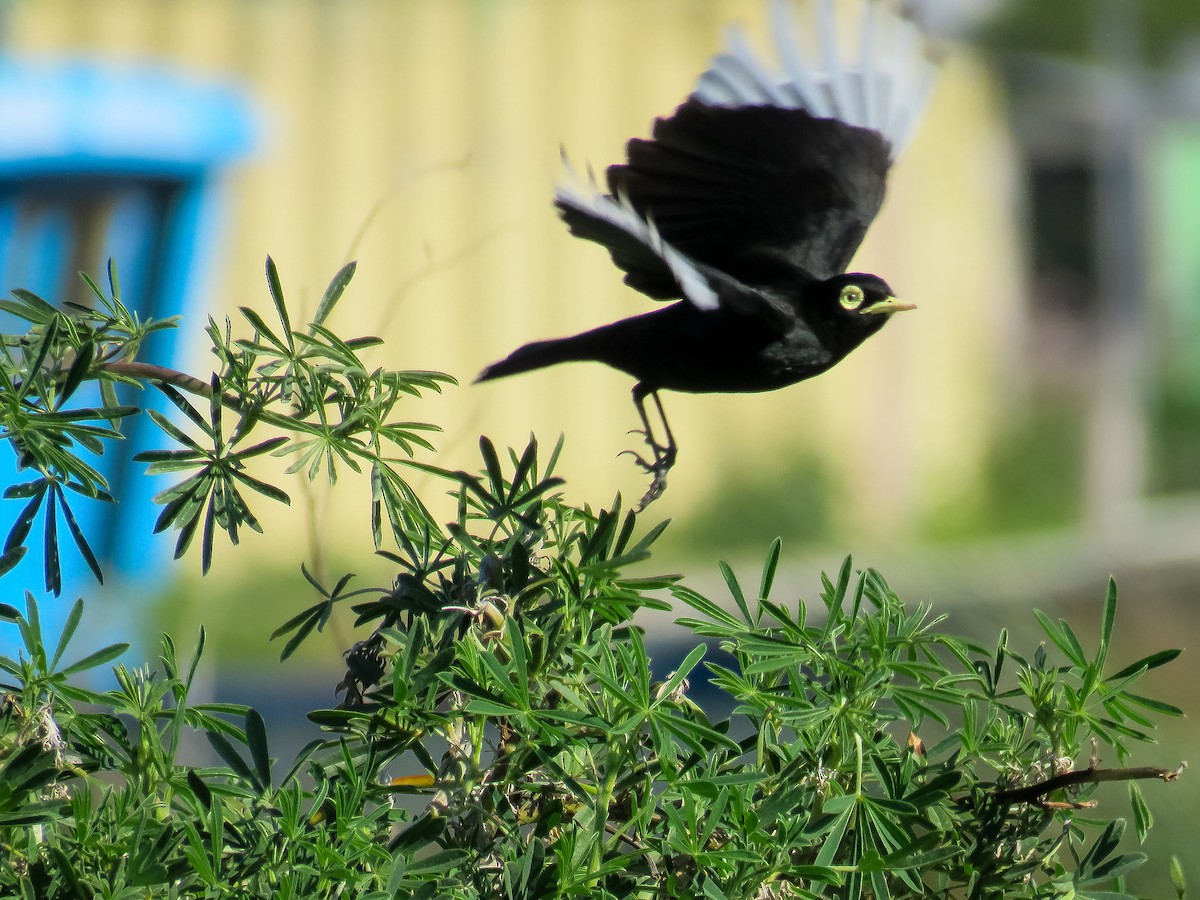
(664, 454)
(668, 452)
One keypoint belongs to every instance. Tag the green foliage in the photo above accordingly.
(307, 383)
(502, 730)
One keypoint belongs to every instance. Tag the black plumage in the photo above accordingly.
(746, 205)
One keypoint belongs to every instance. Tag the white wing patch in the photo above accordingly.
(886, 89)
(619, 212)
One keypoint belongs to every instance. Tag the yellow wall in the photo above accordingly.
(422, 137)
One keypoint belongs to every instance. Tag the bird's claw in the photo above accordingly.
(637, 458)
(664, 459)
(662, 456)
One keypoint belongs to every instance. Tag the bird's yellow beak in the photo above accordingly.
(887, 306)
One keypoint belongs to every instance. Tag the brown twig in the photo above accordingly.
(1090, 775)
(189, 384)
(635, 844)
(151, 372)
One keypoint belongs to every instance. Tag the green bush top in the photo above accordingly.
(502, 730)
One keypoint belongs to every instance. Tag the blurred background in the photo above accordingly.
(1032, 429)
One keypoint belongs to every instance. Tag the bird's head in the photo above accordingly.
(854, 306)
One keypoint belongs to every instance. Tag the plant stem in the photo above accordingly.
(1090, 775)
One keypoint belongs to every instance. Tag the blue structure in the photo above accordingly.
(98, 161)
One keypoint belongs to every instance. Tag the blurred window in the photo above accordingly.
(1062, 205)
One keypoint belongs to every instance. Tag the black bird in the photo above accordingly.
(747, 204)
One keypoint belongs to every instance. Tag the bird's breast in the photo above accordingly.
(740, 357)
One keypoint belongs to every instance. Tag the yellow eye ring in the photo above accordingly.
(851, 297)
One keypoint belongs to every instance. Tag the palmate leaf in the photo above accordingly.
(501, 498)
(15, 545)
(77, 535)
(210, 495)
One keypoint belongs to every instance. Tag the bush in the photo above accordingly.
(501, 732)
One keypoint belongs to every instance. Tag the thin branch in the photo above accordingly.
(173, 377)
(635, 844)
(192, 385)
(1090, 775)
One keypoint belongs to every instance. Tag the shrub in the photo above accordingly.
(502, 731)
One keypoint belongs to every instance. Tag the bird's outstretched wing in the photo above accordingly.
(652, 266)
(761, 193)
(765, 179)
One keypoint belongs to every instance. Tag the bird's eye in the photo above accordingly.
(851, 296)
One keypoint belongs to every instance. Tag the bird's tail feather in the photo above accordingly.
(537, 355)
